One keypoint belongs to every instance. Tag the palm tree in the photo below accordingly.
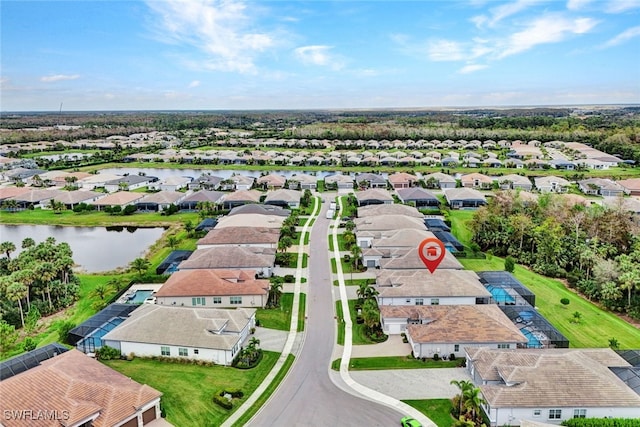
(275, 292)
(371, 315)
(355, 254)
(7, 248)
(473, 400)
(28, 242)
(172, 241)
(464, 386)
(46, 271)
(100, 290)
(140, 265)
(16, 292)
(284, 243)
(361, 291)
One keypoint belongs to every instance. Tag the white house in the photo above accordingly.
(214, 335)
(449, 329)
(172, 183)
(551, 385)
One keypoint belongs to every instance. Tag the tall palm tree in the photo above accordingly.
(464, 386)
(355, 254)
(140, 265)
(473, 400)
(16, 292)
(275, 292)
(7, 248)
(46, 271)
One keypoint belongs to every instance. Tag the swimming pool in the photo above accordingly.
(139, 296)
(534, 342)
(94, 341)
(501, 296)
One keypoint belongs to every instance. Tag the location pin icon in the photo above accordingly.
(431, 252)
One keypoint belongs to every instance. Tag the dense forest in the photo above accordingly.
(596, 249)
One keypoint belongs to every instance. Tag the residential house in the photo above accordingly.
(514, 181)
(74, 390)
(208, 334)
(302, 182)
(241, 197)
(191, 201)
(562, 164)
(551, 385)
(71, 199)
(339, 182)
(374, 196)
(252, 220)
(271, 181)
(477, 180)
(249, 235)
(631, 186)
(452, 329)
(394, 209)
(129, 182)
(385, 244)
(214, 288)
(370, 180)
(157, 202)
(464, 198)
(120, 198)
(421, 287)
(172, 183)
(206, 182)
(98, 180)
(241, 182)
(21, 175)
(408, 259)
(388, 222)
(284, 198)
(593, 164)
(402, 180)
(35, 198)
(601, 187)
(418, 197)
(259, 209)
(439, 180)
(551, 184)
(259, 259)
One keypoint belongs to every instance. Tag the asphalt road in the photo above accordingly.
(308, 397)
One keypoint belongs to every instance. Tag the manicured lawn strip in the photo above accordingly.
(334, 268)
(347, 209)
(394, 362)
(342, 246)
(277, 318)
(340, 320)
(347, 267)
(267, 393)
(355, 282)
(94, 219)
(596, 325)
(459, 227)
(359, 334)
(330, 243)
(298, 234)
(438, 410)
(187, 389)
(301, 312)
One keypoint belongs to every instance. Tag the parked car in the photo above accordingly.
(410, 422)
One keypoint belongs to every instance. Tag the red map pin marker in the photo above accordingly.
(432, 252)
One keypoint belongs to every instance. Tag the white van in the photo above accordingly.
(330, 213)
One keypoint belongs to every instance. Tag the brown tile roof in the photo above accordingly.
(35, 196)
(212, 282)
(232, 257)
(403, 259)
(7, 192)
(75, 383)
(243, 196)
(576, 378)
(484, 323)
(632, 184)
(471, 177)
(417, 283)
(241, 236)
(401, 177)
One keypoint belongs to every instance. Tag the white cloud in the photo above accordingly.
(577, 4)
(446, 50)
(623, 37)
(548, 29)
(59, 77)
(222, 30)
(618, 6)
(318, 55)
(194, 83)
(472, 68)
(501, 12)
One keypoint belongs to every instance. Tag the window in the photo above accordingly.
(408, 300)
(555, 414)
(235, 300)
(419, 301)
(579, 413)
(183, 352)
(503, 345)
(537, 412)
(456, 348)
(165, 351)
(196, 351)
(198, 301)
(217, 300)
(435, 301)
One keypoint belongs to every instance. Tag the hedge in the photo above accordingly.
(602, 422)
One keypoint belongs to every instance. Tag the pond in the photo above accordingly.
(95, 249)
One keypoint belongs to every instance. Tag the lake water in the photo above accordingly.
(95, 249)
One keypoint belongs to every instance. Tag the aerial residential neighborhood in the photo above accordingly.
(254, 269)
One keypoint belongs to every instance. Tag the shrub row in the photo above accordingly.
(602, 422)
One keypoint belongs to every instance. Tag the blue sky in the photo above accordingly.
(195, 55)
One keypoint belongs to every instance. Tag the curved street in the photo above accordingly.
(308, 396)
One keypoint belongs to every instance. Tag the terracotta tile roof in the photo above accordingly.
(273, 180)
(632, 184)
(230, 257)
(210, 282)
(484, 323)
(440, 283)
(75, 383)
(471, 177)
(7, 192)
(394, 209)
(578, 378)
(240, 236)
(401, 177)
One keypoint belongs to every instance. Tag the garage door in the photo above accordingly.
(371, 263)
(131, 423)
(148, 415)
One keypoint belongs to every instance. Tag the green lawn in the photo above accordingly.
(394, 362)
(438, 410)
(359, 330)
(301, 312)
(596, 326)
(277, 318)
(340, 320)
(355, 282)
(459, 227)
(267, 393)
(188, 389)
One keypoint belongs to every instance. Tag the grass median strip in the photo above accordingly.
(394, 362)
(267, 393)
(340, 320)
(301, 312)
